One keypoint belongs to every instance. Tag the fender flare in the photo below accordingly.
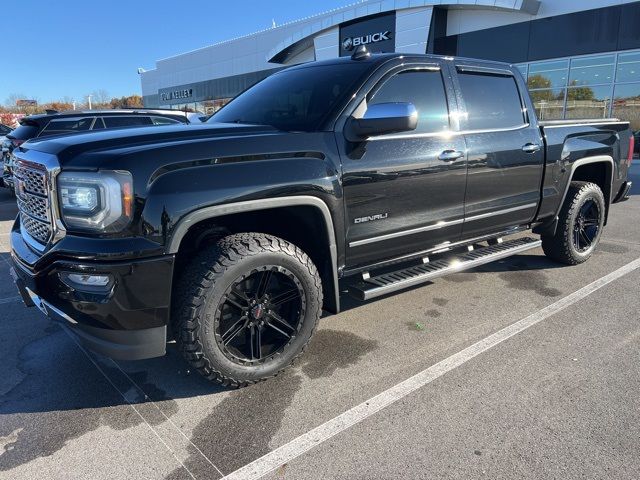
(586, 161)
(206, 213)
(549, 226)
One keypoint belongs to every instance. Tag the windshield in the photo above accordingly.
(294, 100)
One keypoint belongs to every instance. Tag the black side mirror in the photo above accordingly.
(381, 119)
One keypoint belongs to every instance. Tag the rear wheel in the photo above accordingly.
(580, 225)
(247, 308)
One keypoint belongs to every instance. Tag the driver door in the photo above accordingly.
(404, 192)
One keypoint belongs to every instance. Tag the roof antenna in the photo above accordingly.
(361, 53)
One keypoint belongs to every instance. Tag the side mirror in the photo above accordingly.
(381, 119)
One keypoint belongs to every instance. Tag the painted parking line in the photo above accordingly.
(305, 442)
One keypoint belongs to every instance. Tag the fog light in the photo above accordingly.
(87, 282)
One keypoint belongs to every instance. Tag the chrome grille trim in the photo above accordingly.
(35, 206)
(38, 230)
(34, 174)
(35, 180)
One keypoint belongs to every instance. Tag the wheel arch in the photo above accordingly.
(596, 169)
(284, 205)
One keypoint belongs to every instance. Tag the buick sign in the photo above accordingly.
(352, 42)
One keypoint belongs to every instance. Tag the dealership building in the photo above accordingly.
(581, 58)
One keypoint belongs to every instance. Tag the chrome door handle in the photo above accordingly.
(531, 148)
(450, 155)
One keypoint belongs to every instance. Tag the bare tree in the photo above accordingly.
(13, 98)
(100, 97)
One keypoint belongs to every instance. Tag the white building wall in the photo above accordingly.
(412, 29)
(252, 52)
(327, 44)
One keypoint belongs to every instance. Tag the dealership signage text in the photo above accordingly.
(352, 42)
(177, 94)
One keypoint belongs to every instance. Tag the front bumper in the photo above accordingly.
(127, 320)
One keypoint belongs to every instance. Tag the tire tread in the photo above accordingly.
(205, 269)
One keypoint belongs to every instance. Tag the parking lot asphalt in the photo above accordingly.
(560, 399)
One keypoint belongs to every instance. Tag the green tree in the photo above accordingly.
(538, 81)
(580, 93)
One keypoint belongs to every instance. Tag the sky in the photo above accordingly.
(70, 48)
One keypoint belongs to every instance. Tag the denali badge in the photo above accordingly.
(350, 43)
(371, 218)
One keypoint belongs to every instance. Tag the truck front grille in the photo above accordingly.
(32, 193)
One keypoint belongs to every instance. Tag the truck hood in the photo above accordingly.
(68, 147)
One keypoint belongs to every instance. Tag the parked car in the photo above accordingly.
(373, 173)
(76, 121)
(4, 130)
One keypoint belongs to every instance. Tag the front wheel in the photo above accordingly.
(580, 225)
(246, 308)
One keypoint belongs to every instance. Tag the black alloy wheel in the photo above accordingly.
(259, 315)
(586, 226)
(580, 225)
(245, 308)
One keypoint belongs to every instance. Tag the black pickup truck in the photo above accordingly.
(367, 174)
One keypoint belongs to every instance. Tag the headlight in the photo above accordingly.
(95, 201)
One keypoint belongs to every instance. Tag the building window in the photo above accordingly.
(626, 103)
(592, 70)
(592, 86)
(628, 67)
(548, 74)
(588, 102)
(549, 103)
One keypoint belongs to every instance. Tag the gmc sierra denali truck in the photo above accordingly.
(370, 173)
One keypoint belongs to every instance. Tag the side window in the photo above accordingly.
(163, 121)
(132, 121)
(492, 101)
(98, 125)
(423, 88)
(66, 125)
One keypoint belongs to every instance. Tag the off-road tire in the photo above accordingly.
(560, 247)
(200, 290)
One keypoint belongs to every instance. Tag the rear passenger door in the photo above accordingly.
(505, 150)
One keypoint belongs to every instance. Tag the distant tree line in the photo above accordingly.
(100, 100)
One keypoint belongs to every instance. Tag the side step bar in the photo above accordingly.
(376, 286)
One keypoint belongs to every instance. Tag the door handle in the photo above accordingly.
(450, 155)
(531, 148)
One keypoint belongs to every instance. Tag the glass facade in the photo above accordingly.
(588, 86)
(207, 107)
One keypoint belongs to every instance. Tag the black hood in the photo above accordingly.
(126, 140)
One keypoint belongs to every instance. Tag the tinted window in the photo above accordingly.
(67, 125)
(163, 121)
(492, 101)
(98, 125)
(295, 99)
(132, 121)
(425, 90)
(24, 132)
